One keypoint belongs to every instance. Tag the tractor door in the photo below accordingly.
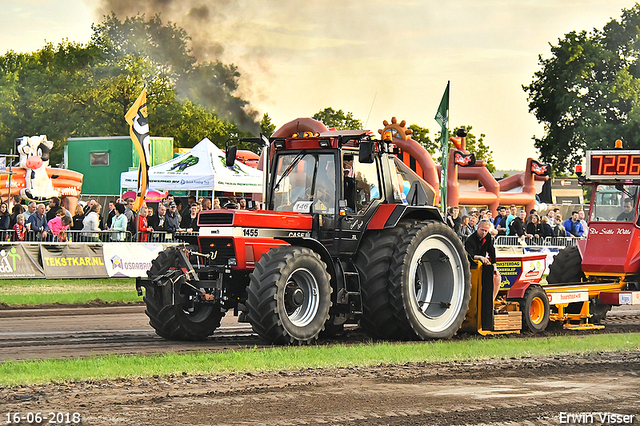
(361, 191)
(324, 207)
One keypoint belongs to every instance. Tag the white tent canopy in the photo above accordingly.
(202, 168)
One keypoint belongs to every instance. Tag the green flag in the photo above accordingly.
(442, 117)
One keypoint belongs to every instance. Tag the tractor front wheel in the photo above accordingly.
(289, 295)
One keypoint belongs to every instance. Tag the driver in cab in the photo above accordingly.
(627, 214)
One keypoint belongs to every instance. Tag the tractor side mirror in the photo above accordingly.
(232, 151)
(365, 154)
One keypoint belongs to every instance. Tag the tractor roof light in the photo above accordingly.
(279, 143)
(324, 143)
(618, 144)
(579, 170)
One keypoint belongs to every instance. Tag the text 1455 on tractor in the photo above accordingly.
(337, 242)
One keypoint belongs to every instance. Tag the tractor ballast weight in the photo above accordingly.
(337, 242)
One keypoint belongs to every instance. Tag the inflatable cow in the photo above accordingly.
(34, 158)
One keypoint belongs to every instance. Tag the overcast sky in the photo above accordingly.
(298, 57)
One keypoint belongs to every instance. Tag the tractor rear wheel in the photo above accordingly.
(535, 309)
(289, 295)
(566, 267)
(430, 281)
(193, 321)
(373, 260)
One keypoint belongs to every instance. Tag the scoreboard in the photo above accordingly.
(613, 164)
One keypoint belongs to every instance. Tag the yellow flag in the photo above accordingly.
(137, 118)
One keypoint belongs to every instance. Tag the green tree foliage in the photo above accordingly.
(339, 119)
(421, 135)
(266, 126)
(587, 93)
(73, 90)
(477, 146)
(473, 144)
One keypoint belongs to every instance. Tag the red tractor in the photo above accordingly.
(337, 242)
(608, 261)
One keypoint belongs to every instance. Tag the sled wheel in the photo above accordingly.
(535, 310)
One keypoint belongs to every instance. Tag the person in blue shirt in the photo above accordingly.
(37, 223)
(501, 221)
(573, 225)
(513, 213)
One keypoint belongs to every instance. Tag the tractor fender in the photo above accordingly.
(518, 290)
(315, 245)
(389, 215)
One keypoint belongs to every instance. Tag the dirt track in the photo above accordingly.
(530, 391)
(533, 391)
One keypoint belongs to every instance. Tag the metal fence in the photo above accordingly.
(99, 237)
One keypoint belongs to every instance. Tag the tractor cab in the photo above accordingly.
(341, 178)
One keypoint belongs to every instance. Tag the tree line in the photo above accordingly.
(84, 90)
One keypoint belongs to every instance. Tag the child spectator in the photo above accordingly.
(19, 230)
(59, 226)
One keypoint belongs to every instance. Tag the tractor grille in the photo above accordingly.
(209, 218)
(222, 247)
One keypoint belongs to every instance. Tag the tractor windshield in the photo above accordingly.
(614, 203)
(305, 183)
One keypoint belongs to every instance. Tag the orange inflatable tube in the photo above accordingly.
(68, 183)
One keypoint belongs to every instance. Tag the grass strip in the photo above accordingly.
(40, 291)
(71, 298)
(295, 358)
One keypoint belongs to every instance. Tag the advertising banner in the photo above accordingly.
(73, 261)
(129, 260)
(521, 268)
(20, 261)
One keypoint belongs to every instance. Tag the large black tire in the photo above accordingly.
(289, 295)
(597, 310)
(566, 267)
(535, 310)
(373, 260)
(430, 282)
(174, 322)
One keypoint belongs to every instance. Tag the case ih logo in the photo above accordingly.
(462, 159)
(539, 169)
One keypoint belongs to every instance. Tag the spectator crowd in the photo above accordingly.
(514, 221)
(31, 221)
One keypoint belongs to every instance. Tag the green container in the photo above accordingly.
(102, 159)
